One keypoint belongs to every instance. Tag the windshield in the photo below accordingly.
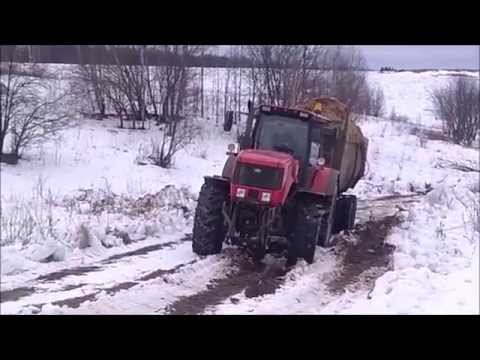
(280, 133)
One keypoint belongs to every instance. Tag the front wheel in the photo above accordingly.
(208, 228)
(308, 227)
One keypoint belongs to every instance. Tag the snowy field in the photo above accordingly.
(111, 236)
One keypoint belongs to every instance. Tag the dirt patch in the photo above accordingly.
(161, 272)
(255, 279)
(71, 287)
(122, 286)
(76, 301)
(369, 258)
(397, 196)
(146, 249)
(15, 294)
(57, 275)
(141, 251)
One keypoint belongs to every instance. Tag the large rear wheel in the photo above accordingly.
(208, 228)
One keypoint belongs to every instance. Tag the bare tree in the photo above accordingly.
(41, 120)
(172, 83)
(15, 92)
(286, 75)
(457, 105)
(279, 72)
(176, 135)
(30, 110)
(344, 78)
(91, 81)
(376, 106)
(127, 89)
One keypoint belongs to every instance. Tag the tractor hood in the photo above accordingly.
(263, 177)
(265, 158)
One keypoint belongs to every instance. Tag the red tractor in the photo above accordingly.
(281, 193)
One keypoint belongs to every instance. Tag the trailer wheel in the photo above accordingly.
(346, 208)
(208, 228)
(352, 212)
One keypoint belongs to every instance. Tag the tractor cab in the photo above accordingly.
(307, 138)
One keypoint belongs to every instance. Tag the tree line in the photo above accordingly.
(126, 55)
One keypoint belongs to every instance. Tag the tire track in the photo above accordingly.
(18, 293)
(15, 294)
(254, 279)
(366, 260)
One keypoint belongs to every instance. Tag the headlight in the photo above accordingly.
(266, 196)
(240, 193)
(321, 161)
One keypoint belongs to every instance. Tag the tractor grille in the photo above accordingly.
(264, 177)
(252, 195)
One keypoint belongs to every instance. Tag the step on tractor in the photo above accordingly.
(281, 189)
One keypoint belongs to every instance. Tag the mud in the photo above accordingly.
(72, 286)
(76, 301)
(15, 294)
(21, 292)
(368, 259)
(161, 272)
(146, 249)
(57, 275)
(122, 286)
(255, 279)
(142, 251)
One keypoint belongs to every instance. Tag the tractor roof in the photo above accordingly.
(326, 110)
(321, 109)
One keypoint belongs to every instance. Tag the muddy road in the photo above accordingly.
(167, 278)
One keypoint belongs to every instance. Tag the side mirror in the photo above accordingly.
(232, 149)
(228, 121)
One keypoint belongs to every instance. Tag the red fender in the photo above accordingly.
(324, 180)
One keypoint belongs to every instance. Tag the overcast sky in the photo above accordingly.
(418, 56)
(422, 56)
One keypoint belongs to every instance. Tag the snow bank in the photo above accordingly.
(399, 162)
(408, 92)
(436, 269)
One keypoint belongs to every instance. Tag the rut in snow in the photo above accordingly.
(24, 291)
(254, 279)
(366, 258)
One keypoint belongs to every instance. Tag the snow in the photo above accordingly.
(435, 263)
(151, 296)
(408, 93)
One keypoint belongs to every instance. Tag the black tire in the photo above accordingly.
(345, 212)
(208, 227)
(341, 215)
(352, 213)
(308, 226)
